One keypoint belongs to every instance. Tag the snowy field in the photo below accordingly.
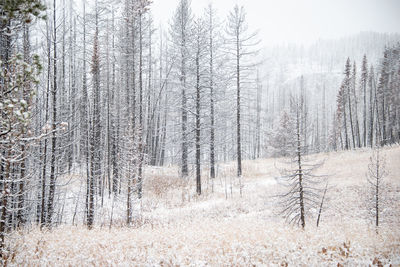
(174, 227)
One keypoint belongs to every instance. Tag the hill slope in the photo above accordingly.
(174, 227)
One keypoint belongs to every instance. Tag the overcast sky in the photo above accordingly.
(301, 20)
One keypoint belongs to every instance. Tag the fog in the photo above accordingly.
(293, 21)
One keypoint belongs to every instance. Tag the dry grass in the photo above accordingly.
(230, 242)
(176, 228)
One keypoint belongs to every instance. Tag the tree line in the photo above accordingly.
(368, 106)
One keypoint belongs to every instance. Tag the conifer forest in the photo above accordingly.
(197, 133)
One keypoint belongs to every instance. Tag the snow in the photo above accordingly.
(176, 227)
(23, 102)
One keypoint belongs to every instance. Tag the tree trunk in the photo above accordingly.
(50, 203)
(140, 149)
(238, 141)
(212, 115)
(95, 146)
(345, 128)
(258, 119)
(350, 114)
(371, 107)
(198, 170)
(300, 172)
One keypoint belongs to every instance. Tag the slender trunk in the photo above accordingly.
(357, 125)
(4, 199)
(212, 119)
(371, 108)
(50, 204)
(300, 172)
(377, 204)
(383, 117)
(164, 129)
(378, 136)
(345, 128)
(184, 170)
(114, 128)
(165, 111)
(364, 87)
(128, 199)
(324, 121)
(44, 158)
(131, 175)
(84, 143)
(95, 137)
(72, 82)
(148, 149)
(350, 113)
(357, 129)
(5, 39)
(322, 203)
(141, 156)
(109, 134)
(238, 141)
(377, 192)
(198, 170)
(258, 119)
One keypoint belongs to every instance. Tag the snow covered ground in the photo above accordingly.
(174, 227)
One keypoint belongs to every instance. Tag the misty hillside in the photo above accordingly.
(321, 64)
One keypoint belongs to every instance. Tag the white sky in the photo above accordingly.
(301, 21)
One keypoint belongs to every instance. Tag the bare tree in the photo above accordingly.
(52, 188)
(241, 45)
(375, 177)
(200, 41)
(302, 185)
(142, 8)
(181, 38)
(210, 13)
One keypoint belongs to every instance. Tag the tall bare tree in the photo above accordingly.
(181, 38)
(241, 45)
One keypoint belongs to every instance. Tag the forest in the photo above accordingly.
(106, 115)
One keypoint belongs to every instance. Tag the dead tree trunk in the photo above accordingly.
(299, 170)
(50, 203)
(198, 170)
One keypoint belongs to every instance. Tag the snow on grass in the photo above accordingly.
(175, 227)
(242, 241)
